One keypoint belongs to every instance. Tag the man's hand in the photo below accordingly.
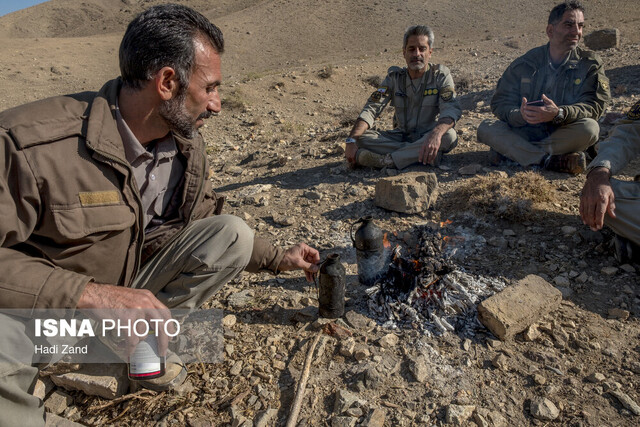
(597, 199)
(350, 153)
(534, 115)
(126, 305)
(302, 257)
(430, 147)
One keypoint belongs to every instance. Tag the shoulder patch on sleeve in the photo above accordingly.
(447, 93)
(634, 112)
(378, 94)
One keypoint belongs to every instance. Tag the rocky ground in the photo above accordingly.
(275, 153)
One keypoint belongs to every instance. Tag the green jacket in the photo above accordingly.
(415, 113)
(71, 212)
(582, 88)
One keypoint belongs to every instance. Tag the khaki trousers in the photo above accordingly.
(626, 223)
(403, 152)
(204, 256)
(520, 147)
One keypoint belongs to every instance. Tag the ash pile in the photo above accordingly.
(423, 289)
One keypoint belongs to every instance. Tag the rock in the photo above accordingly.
(236, 368)
(561, 281)
(471, 169)
(539, 379)
(53, 420)
(412, 192)
(240, 299)
(626, 401)
(265, 418)
(339, 148)
(279, 365)
(43, 387)
(104, 380)
(459, 414)
(58, 402)
(361, 352)
(375, 418)
(347, 347)
(500, 361)
(603, 39)
(283, 220)
(486, 418)
(419, 368)
(345, 400)
(609, 271)
(543, 409)
(312, 195)
(388, 341)
(531, 333)
(568, 230)
(229, 320)
(338, 421)
(596, 377)
(357, 320)
(628, 268)
(618, 313)
(512, 310)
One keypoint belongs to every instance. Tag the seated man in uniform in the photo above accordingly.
(426, 110)
(548, 101)
(614, 203)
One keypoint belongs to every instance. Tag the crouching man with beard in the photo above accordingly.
(105, 197)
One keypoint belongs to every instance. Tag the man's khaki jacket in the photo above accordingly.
(70, 208)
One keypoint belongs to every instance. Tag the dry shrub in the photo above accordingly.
(374, 81)
(326, 72)
(515, 198)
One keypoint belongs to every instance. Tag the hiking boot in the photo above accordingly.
(573, 163)
(373, 160)
(626, 251)
(175, 374)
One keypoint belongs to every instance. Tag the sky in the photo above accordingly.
(8, 6)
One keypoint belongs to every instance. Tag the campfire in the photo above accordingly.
(426, 290)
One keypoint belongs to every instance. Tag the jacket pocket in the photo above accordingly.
(81, 221)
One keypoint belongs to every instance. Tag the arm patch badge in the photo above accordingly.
(377, 95)
(428, 92)
(447, 94)
(634, 112)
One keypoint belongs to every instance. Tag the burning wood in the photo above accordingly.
(426, 291)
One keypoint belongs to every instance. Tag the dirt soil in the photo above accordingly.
(295, 77)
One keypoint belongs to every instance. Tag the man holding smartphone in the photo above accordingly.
(548, 101)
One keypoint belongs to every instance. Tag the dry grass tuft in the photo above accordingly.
(516, 198)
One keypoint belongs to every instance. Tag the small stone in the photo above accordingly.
(375, 418)
(539, 379)
(58, 402)
(345, 400)
(388, 341)
(543, 409)
(628, 268)
(361, 353)
(500, 361)
(609, 271)
(229, 320)
(419, 368)
(347, 347)
(265, 418)
(531, 333)
(236, 368)
(508, 233)
(603, 39)
(459, 414)
(411, 192)
(338, 421)
(568, 230)
(471, 169)
(618, 313)
(595, 378)
(312, 195)
(283, 220)
(561, 281)
(279, 365)
(626, 401)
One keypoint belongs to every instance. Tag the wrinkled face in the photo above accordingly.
(417, 52)
(185, 113)
(566, 34)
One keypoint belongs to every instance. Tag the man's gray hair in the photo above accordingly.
(418, 30)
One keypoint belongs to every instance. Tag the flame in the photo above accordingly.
(416, 264)
(446, 239)
(385, 241)
(444, 224)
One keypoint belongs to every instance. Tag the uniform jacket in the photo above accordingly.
(622, 146)
(582, 88)
(415, 114)
(70, 208)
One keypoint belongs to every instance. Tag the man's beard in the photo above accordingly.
(416, 66)
(178, 118)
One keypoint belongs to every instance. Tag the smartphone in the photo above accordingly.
(538, 103)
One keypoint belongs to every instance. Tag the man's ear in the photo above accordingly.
(549, 30)
(166, 83)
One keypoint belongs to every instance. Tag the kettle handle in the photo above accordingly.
(353, 239)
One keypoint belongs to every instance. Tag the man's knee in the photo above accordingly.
(229, 232)
(485, 130)
(588, 129)
(449, 141)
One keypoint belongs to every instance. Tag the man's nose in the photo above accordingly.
(215, 104)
